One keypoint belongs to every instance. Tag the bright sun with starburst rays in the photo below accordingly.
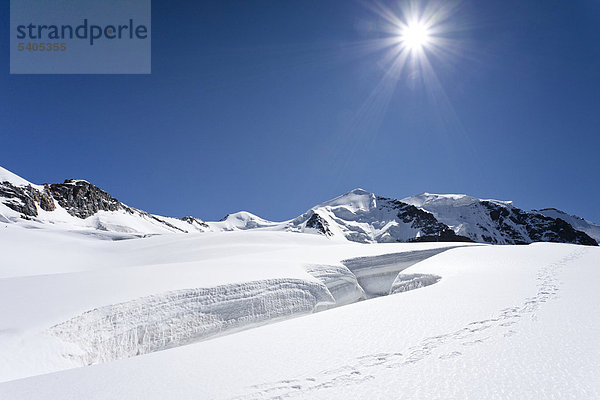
(415, 36)
(413, 33)
(409, 40)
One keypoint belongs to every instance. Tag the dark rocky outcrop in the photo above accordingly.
(432, 230)
(82, 199)
(195, 221)
(318, 223)
(79, 198)
(377, 219)
(523, 227)
(26, 199)
(366, 218)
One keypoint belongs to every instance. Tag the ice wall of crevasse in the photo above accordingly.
(375, 275)
(406, 282)
(340, 282)
(180, 317)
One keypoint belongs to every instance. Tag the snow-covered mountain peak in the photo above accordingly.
(240, 216)
(359, 215)
(362, 216)
(76, 182)
(497, 221)
(451, 200)
(355, 200)
(240, 220)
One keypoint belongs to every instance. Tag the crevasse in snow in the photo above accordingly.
(176, 318)
(180, 317)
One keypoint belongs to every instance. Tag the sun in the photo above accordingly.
(415, 36)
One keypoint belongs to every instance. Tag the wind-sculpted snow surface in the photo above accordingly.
(377, 274)
(180, 317)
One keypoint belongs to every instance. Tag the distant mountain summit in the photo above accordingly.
(497, 222)
(364, 217)
(359, 216)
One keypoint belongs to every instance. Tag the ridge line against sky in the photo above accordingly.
(273, 107)
(314, 205)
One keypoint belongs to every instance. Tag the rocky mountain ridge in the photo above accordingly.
(79, 205)
(358, 216)
(497, 222)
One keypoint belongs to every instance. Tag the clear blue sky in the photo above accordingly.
(264, 106)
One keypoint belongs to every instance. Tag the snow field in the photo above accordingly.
(85, 301)
(514, 322)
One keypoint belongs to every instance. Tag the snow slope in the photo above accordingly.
(7, 176)
(68, 300)
(503, 322)
(167, 315)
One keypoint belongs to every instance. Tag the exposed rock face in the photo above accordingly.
(576, 222)
(431, 229)
(318, 223)
(46, 200)
(358, 216)
(525, 227)
(82, 199)
(195, 221)
(363, 217)
(25, 199)
(500, 222)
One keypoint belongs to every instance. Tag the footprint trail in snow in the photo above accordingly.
(445, 346)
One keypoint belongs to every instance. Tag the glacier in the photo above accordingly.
(377, 275)
(176, 318)
(171, 319)
(368, 294)
(111, 300)
(506, 322)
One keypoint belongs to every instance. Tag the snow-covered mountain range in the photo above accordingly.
(299, 308)
(358, 216)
